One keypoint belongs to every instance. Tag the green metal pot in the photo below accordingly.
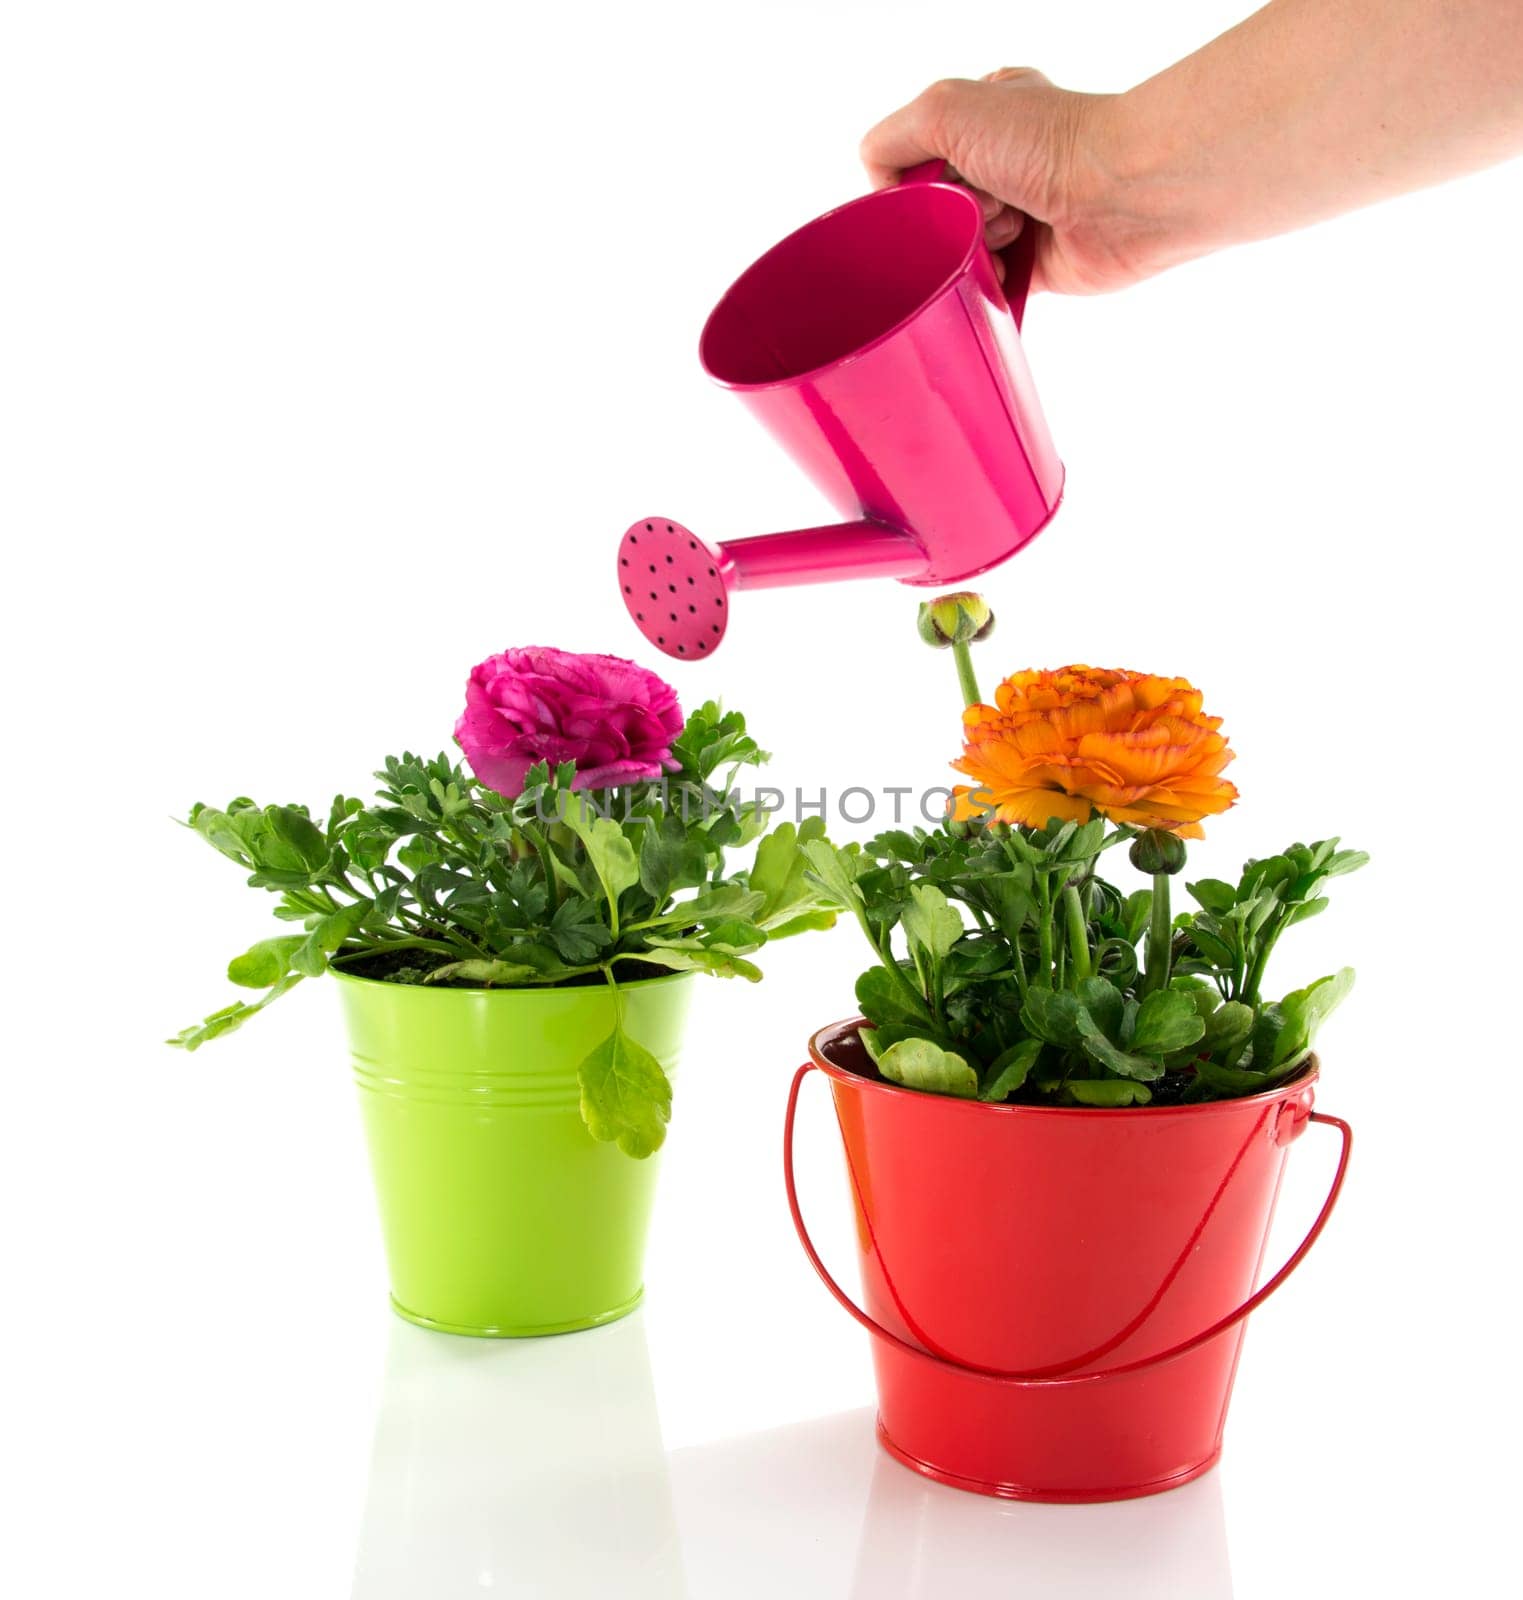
(503, 1217)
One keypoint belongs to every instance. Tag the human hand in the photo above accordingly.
(1029, 150)
(1306, 109)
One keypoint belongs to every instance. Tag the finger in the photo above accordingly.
(906, 138)
(1003, 229)
(990, 204)
(1010, 74)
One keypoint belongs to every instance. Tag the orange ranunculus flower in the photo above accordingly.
(1069, 743)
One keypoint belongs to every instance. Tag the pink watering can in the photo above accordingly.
(879, 348)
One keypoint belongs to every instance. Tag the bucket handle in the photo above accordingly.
(1020, 1380)
(1019, 258)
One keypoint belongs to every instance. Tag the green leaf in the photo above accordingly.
(1228, 1027)
(1166, 1021)
(265, 963)
(728, 900)
(975, 959)
(310, 958)
(1108, 1092)
(1204, 996)
(1229, 1081)
(688, 955)
(1345, 861)
(578, 931)
(670, 858)
(884, 1000)
(489, 974)
(882, 1037)
(1053, 1015)
(919, 1064)
(292, 841)
(626, 1096)
(836, 871)
(1216, 950)
(611, 854)
(1304, 1011)
(220, 831)
(1074, 844)
(1008, 1071)
(806, 922)
(1213, 895)
(1105, 1003)
(731, 933)
(713, 738)
(369, 843)
(230, 1017)
(930, 922)
(897, 844)
(780, 873)
(419, 852)
(1136, 913)
(1053, 839)
(1100, 1050)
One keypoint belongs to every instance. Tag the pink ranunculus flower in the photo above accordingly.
(614, 719)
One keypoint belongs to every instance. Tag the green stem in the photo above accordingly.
(1019, 960)
(1078, 934)
(1250, 994)
(886, 959)
(1044, 929)
(1011, 933)
(963, 655)
(1160, 936)
(456, 943)
(885, 955)
(416, 944)
(542, 852)
(618, 997)
(307, 901)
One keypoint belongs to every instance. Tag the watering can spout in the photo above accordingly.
(677, 586)
(880, 348)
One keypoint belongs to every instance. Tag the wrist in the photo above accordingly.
(1136, 183)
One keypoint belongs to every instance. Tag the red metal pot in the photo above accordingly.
(1056, 1296)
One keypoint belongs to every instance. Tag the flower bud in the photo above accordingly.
(959, 618)
(1157, 851)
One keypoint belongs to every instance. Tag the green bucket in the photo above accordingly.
(503, 1217)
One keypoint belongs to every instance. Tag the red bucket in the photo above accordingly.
(1056, 1296)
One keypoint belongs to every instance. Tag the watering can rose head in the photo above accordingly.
(614, 720)
(1084, 741)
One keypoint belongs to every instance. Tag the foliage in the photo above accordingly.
(442, 880)
(1008, 969)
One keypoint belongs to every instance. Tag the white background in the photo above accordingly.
(337, 346)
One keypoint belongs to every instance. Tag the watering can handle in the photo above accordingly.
(1019, 258)
(1062, 1380)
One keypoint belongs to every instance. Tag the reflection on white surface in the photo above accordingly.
(922, 1539)
(534, 1468)
(817, 1510)
(523, 1467)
